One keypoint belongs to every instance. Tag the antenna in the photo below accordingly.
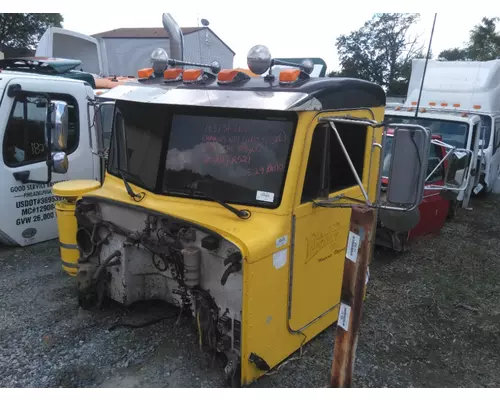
(425, 66)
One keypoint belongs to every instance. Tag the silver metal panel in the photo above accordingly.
(136, 92)
(310, 105)
(215, 98)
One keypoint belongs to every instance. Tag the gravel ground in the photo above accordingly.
(431, 319)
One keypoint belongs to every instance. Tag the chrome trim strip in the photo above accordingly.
(243, 99)
(68, 246)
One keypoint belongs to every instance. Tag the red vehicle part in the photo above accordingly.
(433, 210)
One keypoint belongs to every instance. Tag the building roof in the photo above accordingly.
(150, 33)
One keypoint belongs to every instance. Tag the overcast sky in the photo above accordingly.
(306, 28)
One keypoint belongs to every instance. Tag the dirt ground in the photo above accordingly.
(431, 319)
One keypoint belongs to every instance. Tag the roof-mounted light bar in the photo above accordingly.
(162, 65)
(259, 61)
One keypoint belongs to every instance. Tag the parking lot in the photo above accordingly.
(431, 319)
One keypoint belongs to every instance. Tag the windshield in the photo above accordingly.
(452, 132)
(236, 157)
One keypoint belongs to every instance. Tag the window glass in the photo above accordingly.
(341, 177)
(239, 160)
(24, 140)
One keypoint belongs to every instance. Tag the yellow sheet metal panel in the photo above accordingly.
(67, 227)
(286, 304)
(293, 256)
(75, 188)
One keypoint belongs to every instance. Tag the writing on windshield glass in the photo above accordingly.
(243, 155)
(238, 149)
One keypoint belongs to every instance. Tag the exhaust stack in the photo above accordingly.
(175, 37)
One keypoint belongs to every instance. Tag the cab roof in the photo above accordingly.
(47, 66)
(256, 93)
(432, 114)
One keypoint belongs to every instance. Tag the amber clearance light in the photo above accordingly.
(227, 76)
(192, 75)
(145, 73)
(173, 74)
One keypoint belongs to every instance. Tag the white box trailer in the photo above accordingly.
(460, 101)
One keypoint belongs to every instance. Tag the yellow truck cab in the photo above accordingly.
(228, 196)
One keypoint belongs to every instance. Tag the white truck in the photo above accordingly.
(460, 101)
(27, 170)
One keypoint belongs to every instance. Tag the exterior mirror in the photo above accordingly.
(60, 162)
(104, 123)
(457, 173)
(408, 165)
(60, 125)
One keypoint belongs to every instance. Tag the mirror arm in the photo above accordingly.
(394, 208)
(349, 161)
(437, 166)
(354, 120)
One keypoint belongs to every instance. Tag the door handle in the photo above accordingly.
(22, 176)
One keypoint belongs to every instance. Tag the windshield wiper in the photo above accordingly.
(243, 214)
(136, 196)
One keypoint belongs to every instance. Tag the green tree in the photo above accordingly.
(20, 30)
(333, 74)
(455, 54)
(483, 44)
(381, 51)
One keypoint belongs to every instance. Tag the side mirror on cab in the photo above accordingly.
(408, 166)
(60, 125)
(406, 177)
(458, 168)
(103, 120)
(58, 136)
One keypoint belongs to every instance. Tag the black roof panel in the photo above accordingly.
(333, 93)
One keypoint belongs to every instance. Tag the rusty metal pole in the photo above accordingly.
(358, 256)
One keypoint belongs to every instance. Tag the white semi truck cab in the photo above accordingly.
(27, 168)
(460, 100)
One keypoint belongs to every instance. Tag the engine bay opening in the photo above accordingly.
(130, 255)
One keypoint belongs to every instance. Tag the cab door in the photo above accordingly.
(27, 210)
(320, 234)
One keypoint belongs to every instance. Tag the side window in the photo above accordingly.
(341, 176)
(497, 134)
(24, 140)
(435, 156)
